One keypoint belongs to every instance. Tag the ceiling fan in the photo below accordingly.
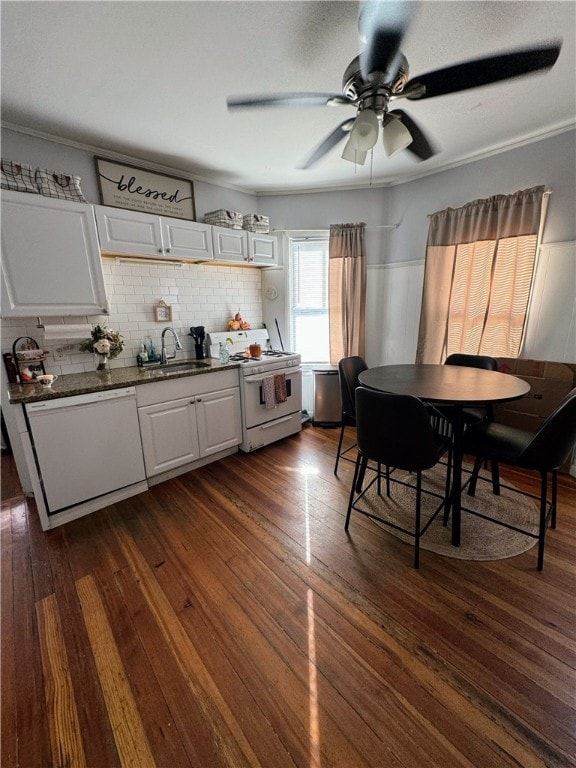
(380, 76)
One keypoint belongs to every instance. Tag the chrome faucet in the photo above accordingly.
(164, 356)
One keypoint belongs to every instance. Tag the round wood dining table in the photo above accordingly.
(453, 385)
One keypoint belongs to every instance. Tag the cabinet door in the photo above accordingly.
(219, 422)
(230, 244)
(169, 435)
(262, 250)
(131, 233)
(51, 262)
(187, 239)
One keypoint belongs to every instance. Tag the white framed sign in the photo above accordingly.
(126, 186)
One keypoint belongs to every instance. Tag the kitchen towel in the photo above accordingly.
(280, 393)
(64, 331)
(268, 391)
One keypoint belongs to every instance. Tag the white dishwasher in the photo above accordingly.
(86, 445)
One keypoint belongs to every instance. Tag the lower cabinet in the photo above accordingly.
(183, 430)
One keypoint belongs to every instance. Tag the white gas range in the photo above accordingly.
(270, 387)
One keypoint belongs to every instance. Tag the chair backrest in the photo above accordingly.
(553, 442)
(349, 368)
(472, 361)
(395, 430)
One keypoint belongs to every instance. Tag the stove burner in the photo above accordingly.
(241, 357)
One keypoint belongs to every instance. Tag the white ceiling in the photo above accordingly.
(150, 80)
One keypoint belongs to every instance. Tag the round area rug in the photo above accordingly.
(480, 539)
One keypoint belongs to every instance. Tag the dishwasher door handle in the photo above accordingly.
(80, 400)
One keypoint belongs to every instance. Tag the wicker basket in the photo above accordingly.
(17, 176)
(224, 218)
(254, 222)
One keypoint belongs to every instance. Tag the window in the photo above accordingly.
(480, 262)
(309, 322)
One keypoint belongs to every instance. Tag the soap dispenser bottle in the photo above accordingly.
(224, 353)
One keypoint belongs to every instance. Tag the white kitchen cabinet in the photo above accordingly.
(133, 233)
(169, 435)
(230, 245)
(189, 420)
(51, 262)
(262, 250)
(219, 422)
(237, 246)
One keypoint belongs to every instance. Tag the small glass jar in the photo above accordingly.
(224, 353)
(101, 362)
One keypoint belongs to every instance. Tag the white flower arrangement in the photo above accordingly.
(104, 342)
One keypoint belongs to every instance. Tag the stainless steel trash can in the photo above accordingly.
(327, 400)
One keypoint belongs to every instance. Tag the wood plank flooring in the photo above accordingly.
(224, 619)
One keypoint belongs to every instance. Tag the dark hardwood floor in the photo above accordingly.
(224, 618)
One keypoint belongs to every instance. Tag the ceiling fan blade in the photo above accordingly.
(382, 26)
(287, 100)
(329, 142)
(420, 146)
(492, 69)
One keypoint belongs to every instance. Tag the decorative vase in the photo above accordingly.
(102, 362)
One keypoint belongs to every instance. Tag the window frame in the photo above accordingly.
(290, 236)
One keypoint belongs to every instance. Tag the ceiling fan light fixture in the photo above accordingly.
(364, 133)
(353, 155)
(395, 136)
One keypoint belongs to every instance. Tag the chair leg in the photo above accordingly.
(361, 474)
(542, 526)
(417, 525)
(359, 458)
(474, 476)
(339, 447)
(447, 491)
(388, 480)
(495, 478)
(554, 498)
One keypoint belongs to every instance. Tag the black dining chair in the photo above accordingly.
(485, 362)
(396, 431)
(349, 368)
(544, 450)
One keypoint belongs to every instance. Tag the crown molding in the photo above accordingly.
(112, 155)
(331, 187)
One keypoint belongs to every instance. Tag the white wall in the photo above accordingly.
(551, 161)
(200, 294)
(79, 161)
(551, 327)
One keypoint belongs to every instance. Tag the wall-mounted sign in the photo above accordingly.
(126, 186)
(162, 312)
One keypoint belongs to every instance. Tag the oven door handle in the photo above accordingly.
(257, 379)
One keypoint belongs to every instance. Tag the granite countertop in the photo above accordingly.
(84, 383)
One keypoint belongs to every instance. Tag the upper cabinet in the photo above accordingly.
(262, 249)
(51, 261)
(237, 246)
(132, 233)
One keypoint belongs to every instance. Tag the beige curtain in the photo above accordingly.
(479, 267)
(347, 290)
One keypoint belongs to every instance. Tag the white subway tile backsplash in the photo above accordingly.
(200, 294)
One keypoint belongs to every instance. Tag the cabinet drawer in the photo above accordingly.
(187, 386)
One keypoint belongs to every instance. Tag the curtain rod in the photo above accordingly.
(377, 226)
